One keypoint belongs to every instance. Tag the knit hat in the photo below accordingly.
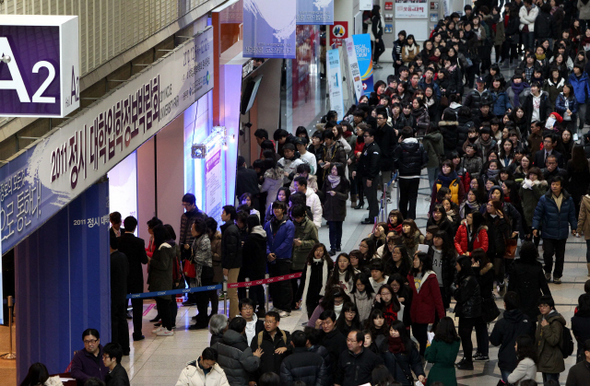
(557, 117)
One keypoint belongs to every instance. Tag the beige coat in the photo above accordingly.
(584, 217)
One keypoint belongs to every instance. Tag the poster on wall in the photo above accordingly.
(353, 65)
(338, 32)
(362, 46)
(316, 12)
(365, 5)
(416, 9)
(214, 186)
(269, 29)
(335, 82)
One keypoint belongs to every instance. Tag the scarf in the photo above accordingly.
(517, 89)
(493, 173)
(446, 180)
(334, 180)
(338, 310)
(540, 57)
(308, 279)
(396, 345)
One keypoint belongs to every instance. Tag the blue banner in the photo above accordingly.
(362, 46)
(315, 12)
(174, 292)
(269, 29)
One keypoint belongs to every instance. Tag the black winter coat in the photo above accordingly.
(235, 358)
(468, 296)
(354, 369)
(581, 331)
(231, 246)
(335, 343)
(504, 334)
(271, 362)
(544, 109)
(369, 161)
(386, 138)
(410, 157)
(304, 366)
(450, 135)
(406, 363)
(254, 255)
(528, 281)
(335, 206)
(544, 26)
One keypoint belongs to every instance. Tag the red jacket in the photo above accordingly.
(427, 301)
(461, 239)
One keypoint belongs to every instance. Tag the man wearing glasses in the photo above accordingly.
(87, 363)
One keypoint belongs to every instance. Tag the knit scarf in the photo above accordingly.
(540, 56)
(396, 345)
(334, 180)
(493, 173)
(446, 180)
(308, 279)
(517, 89)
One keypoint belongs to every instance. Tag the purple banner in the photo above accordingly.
(269, 29)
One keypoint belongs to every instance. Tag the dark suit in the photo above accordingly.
(134, 248)
(540, 158)
(113, 236)
(119, 326)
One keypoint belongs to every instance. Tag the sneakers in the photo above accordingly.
(480, 357)
(548, 277)
(556, 280)
(165, 332)
(464, 365)
(284, 314)
(155, 331)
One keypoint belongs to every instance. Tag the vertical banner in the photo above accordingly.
(315, 12)
(353, 67)
(362, 46)
(366, 5)
(269, 29)
(335, 82)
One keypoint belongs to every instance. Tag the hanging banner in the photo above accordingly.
(353, 67)
(269, 29)
(415, 10)
(366, 5)
(338, 33)
(362, 46)
(335, 82)
(316, 12)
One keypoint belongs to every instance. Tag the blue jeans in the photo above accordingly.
(505, 375)
(548, 376)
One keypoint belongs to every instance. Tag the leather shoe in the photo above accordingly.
(366, 221)
(156, 319)
(360, 205)
(138, 338)
(464, 365)
(198, 326)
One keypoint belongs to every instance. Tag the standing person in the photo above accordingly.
(578, 175)
(191, 213)
(548, 338)
(409, 159)
(247, 182)
(160, 279)
(303, 365)
(426, 300)
(442, 353)
(402, 357)
(280, 233)
(443, 257)
(111, 357)
(134, 248)
(377, 32)
(231, 254)
(528, 14)
(119, 272)
(578, 374)
(584, 225)
(356, 364)
(306, 236)
(434, 146)
(254, 253)
(526, 354)
(274, 343)
(115, 231)
(204, 371)
(369, 171)
(202, 258)
(386, 139)
(396, 53)
(334, 195)
(579, 81)
(513, 324)
(87, 363)
(498, 234)
(311, 200)
(581, 324)
(554, 214)
(314, 279)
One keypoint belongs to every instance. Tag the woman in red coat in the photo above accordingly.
(472, 234)
(426, 299)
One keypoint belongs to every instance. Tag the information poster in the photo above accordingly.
(316, 12)
(335, 82)
(269, 29)
(366, 5)
(338, 33)
(416, 9)
(213, 182)
(362, 46)
(353, 65)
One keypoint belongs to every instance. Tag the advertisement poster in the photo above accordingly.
(338, 33)
(269, 29)
(214, 186)
(353, 65)
(315, 12)
(335, 82)
(404, 9)
(362, 46)
(365, 5)
(388, 5)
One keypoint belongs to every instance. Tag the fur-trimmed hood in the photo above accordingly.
(448, 123)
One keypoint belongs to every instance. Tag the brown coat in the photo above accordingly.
(548, 339)
(216, 250)
(584, 217)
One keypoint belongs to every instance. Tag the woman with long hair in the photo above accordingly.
(427, 302)
(411, 236)
(394, 221)
(363, 296)
(472, 234)
(334, 195)
(357, 195)
(314, 279)
(438, 217)
(160, 277)
(343, 274)
(349, 319)
(567, 106)
(442, 353)
(448, 178)
(386, 301)
(498, 235)
(406, 357)
(368, 250)
(584, 225)
(378, 329)
(273, 181)
(333, 301)
(410, 50)
(443, 255)
(396, 259)
(282, 195)
(526, 353)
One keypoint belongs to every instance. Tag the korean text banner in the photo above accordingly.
(413, 10)
(39, 182)
(335, 82)
(269, 29)
(316, 12)
(362, 46)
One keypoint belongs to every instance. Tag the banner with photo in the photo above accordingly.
(335, 82)
(364, 56)
(411, 9)
(353, 66)
(269, 29)
(315, 12)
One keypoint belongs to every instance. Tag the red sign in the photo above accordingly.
(338, 32)
(389, 5)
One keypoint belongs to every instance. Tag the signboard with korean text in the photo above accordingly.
(40, 66)
(365, 5)
(404, 9)
(338, 32)
(353, 65)
(269, 29)
(362, 46)
(214, 186)
(40, 181)
(335, 82)
(315, 12)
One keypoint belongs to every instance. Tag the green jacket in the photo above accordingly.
(434, 146)
(443, 356)
(307, 232)
(548, 340)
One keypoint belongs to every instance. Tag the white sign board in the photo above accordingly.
(353, 66)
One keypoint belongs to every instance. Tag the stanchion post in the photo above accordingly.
(10, 355)
(224, 290)
(248, 288)
(266, 276)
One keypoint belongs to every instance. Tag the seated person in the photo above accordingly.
(111, 357)
(87, 363)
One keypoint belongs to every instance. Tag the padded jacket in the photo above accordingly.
(231, 251)
(279, 239)
(462, 239)
(468, 296)
(386, 138)
(553, 222)
(513, 323)
(193, 375)
(410, 157)
(235, 358)
(305, 366)
(356, 369)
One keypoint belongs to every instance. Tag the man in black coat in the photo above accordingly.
(231, 255)
(111, 357)
(579, 374)
(247, 182)
(369, 170)
(549, 143)
(356, 364)
(274, 344)
(386, 138)
(134, 248)
(119, 272)
(303, 365)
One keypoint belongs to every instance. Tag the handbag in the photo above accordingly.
(444, 101)
(489, 310)
(510, 251)
(189, 269)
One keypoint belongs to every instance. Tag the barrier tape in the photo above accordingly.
(214, 287)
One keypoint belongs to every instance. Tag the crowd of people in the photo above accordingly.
(507, 165)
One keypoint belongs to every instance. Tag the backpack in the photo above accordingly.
(566, 345)
(284, 337)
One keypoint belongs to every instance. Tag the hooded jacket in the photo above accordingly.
(193, 375)
(335, 206)
(410, 158)
(553, 222)
(426, 299)
(236, 358)
(581, 87)
(160, 276)
(513, 323)
(527, 17)
(307, 232)
(450, 134)
(548, 343)
(434, 146)
(313, 201)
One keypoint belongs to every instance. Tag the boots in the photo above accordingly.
(352, 200)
